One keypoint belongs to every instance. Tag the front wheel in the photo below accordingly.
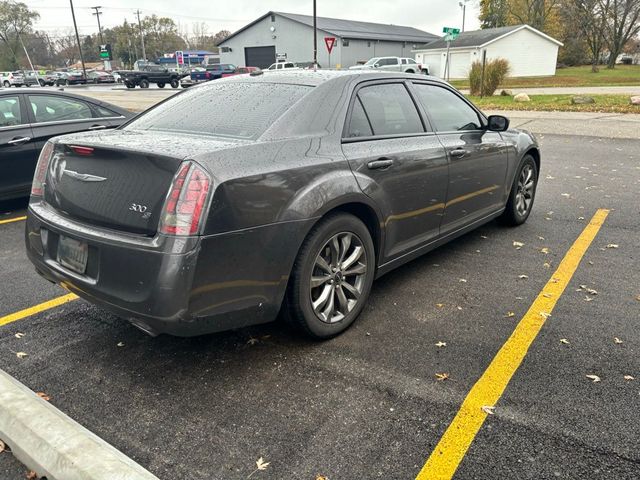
(175, 83)
(160, 85)
(523, 192)
(144, 83)
(332, 276)
(41, 82)
(6, 84)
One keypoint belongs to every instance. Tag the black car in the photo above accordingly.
(30, 117)
(70, 78)
(310, 185)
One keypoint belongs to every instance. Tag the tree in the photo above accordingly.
(539, 14)
(161, 36)
(590, 16)
(220, 37)
(623, 23)
(15, 20)
(494, 13)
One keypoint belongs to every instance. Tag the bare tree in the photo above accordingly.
(591, 18)
(623, 23)
(535, 13)
(15, 20)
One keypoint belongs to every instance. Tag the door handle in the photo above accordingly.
(458, 152)
(18, 140)
(97, 127)
(380, 164)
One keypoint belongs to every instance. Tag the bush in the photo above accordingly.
(495, 72)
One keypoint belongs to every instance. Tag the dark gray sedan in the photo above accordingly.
(303, 188)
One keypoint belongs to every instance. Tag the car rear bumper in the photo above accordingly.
(180, 286)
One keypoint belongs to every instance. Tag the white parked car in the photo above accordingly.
(393, 64)
(11, 79)
(283, 66)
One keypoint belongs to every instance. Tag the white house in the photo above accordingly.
(530, 52)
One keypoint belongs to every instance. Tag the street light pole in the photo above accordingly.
(463, 4)
(315, 38)
(144, 53)
(75, 26)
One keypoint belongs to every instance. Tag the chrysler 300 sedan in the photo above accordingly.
(308, 188)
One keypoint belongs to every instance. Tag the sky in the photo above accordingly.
(427, 15)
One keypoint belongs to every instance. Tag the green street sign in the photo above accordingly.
(455, 31)
(450, 37)
(105, 52)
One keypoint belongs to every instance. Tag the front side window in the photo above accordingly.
(448, 111)
(10, 114)
(390, 109)
(48, 108)
(252, 107)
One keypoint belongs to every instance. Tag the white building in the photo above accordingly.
(530, 52)
(290, 36)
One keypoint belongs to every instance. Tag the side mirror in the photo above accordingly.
(497, 123)
(376, 65)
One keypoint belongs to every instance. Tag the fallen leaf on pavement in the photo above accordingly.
(43, 396)
(638, 298)
(617, 340)
(580, 218)
(21, 354)
(441, 376)
(31, 475)
(540, 238)
(518, 245)
(566, 195)
(565, 341)
(120, 344)
(441, 344)
(588, 299)
(252, 341)
(628, 377)
(612, 245)
(523, 276)
(483, 236)
(509, 315)
(439, 305)
(547, 295)
(2, 446)
(547, 265)
(321, 477)
(261, 465)
(463, 280)
(19, 335)
(545, 250)
(489, 410)
(595, 378)
(545, 315)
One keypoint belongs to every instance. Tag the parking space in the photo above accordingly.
(376, 401)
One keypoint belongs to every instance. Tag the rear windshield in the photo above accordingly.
(237, 110)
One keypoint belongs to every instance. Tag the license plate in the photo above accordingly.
(73, 254)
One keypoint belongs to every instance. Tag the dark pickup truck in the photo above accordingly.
(212, 72)
(151, 74)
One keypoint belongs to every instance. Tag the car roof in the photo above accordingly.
(315, 78)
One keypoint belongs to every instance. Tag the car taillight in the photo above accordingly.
(186, 202)
(37, 187)
(207, 75)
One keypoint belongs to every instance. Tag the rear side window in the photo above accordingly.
(48, 108)
(449, 112)
(359, 124)
(10, 114)
(390, 109)
(236, 110)
(105, 112)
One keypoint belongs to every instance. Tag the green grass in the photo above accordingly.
(559, 103)
(574, 77)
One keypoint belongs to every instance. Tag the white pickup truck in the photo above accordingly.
(393, 64)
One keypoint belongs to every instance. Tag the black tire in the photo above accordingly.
(298, 307)
(144, 83)
(67, 83)
(160, 85)
(129, 85)
(41, 82)
(6, 84)
(409, 71)
(175, 83)
(425, 71)
(514, 214)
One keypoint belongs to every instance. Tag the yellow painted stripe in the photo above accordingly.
(444, 460)
(11, 220)
(27, 312)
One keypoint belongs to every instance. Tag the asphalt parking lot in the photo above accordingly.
(375, 402)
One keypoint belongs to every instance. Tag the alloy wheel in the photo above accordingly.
(338, 277)
(525, 190)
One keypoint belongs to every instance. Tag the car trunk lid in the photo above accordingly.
(121, 179)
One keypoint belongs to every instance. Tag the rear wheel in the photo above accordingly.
(144, 83)
(523, 192)
(175, 83)
(160, 85)
(332, 276)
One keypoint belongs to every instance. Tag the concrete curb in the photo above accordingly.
(53, 445)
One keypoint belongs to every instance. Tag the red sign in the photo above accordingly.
(330, 42)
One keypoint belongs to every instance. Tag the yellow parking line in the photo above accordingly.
(11, 220)
(446, 457)
(27, 312)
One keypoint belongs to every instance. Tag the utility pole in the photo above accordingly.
(107, 63)
(75, 26)
(463, 5)
(315, 37)
(144, 53)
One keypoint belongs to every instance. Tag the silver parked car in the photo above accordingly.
(393, 64)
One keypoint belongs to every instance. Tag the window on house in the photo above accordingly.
(345, 42)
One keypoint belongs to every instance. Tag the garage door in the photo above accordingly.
(259, 56)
